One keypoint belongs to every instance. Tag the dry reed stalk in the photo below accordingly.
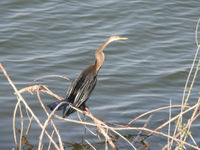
(144, 126)
(42, 88)
(85, 126)
(182, 134)
(90, 144)
(196, 33)
(155, 132)
(184, 97)
(103, 127)
(50, 76)
(49, 146)
(184, 101)
(44, 127)
(154, 110)
(169, 126)
(29, 125)
(52, 123)
(115, 129)
(22, 126)
(173, 119)
(14, 129)
(97, 123)
(189, 123)
(21, 99)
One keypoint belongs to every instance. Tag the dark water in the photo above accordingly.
(40, 38)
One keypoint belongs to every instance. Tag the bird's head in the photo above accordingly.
(115, 38)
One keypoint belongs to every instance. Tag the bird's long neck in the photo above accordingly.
(99, 56)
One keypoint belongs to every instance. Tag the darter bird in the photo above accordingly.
(81, 88)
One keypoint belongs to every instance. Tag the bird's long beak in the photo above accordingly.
(122, 38)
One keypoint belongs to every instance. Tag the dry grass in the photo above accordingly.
(181, 138)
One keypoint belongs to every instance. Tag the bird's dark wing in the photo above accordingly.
(81, 88)
(80, 91)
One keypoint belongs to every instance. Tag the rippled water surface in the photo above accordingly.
(48, 37)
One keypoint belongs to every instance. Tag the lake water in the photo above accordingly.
(49, 37)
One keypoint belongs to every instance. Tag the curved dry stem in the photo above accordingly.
(42, 88)
(54, 126)
(154, 110)
(174, 118)
(14, 126)
(49, 146)
(103, 126)
(114, 129)
(26, 105)
(158, 133)
(45, 125)
(22, 126)
(184, 101)
(29, 125)
(99, 124)
(196, 33)
(169, 126)
(49, 76)
(188, 126)
(90, 144)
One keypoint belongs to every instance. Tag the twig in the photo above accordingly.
(196, 33)
(43, 88)
(169, 127)
(50, 76)
(174, 118)
(154, 110)
(90, 144)
(49, 147)
(44, 127)
(14, 126)
(188, 126)
(22, 126)
(26, 105)
(56, 130)
(29, 125)
(145, 125)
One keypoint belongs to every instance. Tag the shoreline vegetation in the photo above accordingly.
(108, 134)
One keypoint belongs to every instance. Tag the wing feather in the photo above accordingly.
(81, 89)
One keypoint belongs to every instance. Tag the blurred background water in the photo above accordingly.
(45, 37)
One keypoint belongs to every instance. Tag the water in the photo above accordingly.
(40, 38)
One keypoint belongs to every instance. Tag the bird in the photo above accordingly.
(82, 87)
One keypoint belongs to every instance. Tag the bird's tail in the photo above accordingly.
(63, 106)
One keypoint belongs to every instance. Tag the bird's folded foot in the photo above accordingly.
(86, 111)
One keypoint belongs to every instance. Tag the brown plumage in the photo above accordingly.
(81, 88)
